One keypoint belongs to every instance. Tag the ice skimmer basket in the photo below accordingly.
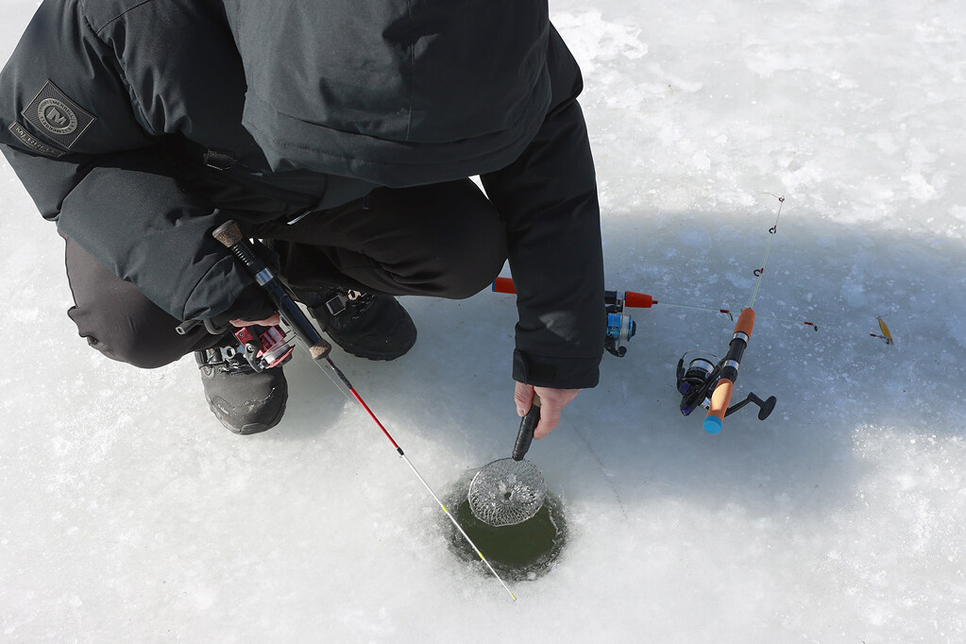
(511, 490)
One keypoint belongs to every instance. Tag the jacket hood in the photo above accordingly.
(396, 92)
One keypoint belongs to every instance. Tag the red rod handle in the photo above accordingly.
(631, 299)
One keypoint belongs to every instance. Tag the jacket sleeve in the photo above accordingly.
(76, 138)
(549, 200)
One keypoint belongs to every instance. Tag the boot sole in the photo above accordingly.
(248, 428)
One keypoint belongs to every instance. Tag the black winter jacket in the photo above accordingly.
(114, 112)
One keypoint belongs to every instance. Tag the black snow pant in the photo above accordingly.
(443, 240)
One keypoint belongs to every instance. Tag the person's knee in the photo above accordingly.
(468, 273)
(115, 318)
(127, 349)
(125, 340)
(465, 265)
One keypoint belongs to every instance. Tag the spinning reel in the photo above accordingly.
(706, 381)
(620, 326)
(702, 375)
(262, 347)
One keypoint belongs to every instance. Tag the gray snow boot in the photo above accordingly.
(244, 400)
(370, 326)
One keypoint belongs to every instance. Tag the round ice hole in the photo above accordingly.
(521, 552)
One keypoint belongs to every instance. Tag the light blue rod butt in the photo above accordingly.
(713, 425)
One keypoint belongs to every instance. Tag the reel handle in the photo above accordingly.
(527, 424)
(721, 397)
(765, 407)
(230, 235)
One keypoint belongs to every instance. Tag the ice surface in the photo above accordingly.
(129, 514)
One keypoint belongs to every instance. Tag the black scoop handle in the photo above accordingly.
(525, 436)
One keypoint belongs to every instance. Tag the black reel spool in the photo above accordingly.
(696, 382)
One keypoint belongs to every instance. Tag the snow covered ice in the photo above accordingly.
(127, 513)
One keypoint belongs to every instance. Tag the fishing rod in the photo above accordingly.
(230, 235)
(706, 381)
(713, 388)
(725, 373)
(621, 326)
(694, 383)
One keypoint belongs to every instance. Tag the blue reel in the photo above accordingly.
(620, 329)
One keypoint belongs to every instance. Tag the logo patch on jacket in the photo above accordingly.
(33, 142)
(57, 117)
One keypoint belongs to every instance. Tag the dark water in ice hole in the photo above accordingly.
(521, 552)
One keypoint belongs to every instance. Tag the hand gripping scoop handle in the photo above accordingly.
(509, 491)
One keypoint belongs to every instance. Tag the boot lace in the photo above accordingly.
(348, 305)
(223, 358)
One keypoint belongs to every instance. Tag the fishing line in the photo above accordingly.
(760, 272)
(230, 235)
(343, 385)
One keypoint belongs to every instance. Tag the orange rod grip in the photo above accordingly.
(746, 322)
(721, 398)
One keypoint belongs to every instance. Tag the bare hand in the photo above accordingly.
(552, 402)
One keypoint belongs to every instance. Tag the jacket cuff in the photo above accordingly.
(251, 305)
(557, 373)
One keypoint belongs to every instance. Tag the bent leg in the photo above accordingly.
(444, 240)
(120, 322)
